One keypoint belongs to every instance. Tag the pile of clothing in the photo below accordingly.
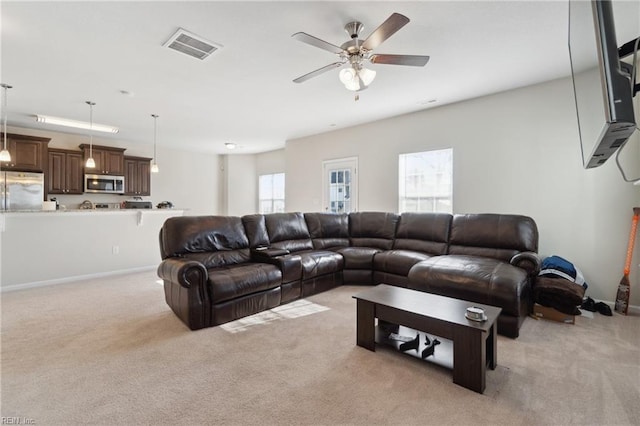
(560, 285)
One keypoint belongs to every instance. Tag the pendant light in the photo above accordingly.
(4, 154)
(154, 165)
(90, 161)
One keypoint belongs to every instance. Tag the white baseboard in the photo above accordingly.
(75, 278)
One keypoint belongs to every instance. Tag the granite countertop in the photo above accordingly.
(93, 211)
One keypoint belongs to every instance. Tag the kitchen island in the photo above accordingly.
(49, 247)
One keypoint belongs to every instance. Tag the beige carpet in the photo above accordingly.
(110, 351)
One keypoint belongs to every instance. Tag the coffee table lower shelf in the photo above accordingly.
(442, 352)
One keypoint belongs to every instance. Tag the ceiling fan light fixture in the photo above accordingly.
(354, 85)
(348, 76)
(367, 76)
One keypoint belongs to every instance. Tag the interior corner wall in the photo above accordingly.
(514, 152)
(241, 184)
(270, 162)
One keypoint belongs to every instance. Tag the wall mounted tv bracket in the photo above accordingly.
(627, 49)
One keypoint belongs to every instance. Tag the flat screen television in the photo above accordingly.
(601, 81)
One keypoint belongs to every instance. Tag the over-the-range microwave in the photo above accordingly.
(104, 184)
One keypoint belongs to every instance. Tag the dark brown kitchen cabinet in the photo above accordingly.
(65, 172)
(137, 177)
(109, 160)
(28, 153)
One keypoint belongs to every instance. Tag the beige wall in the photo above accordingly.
(239, 189)
(240, 184)
(514, 152)
(52, 247)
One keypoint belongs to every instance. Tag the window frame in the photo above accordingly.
(271, 199)
(437, 199)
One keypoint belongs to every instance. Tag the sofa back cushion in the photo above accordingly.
(372, 229)
(498, 236)
(288, 231)
(423, 232)
(256, 229)
(328, 230)
(213, 240)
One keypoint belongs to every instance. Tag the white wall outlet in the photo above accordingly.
(115, 250)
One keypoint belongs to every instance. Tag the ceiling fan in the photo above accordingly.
(356, 52)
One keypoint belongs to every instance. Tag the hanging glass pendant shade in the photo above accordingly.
(90, 164)
(154, 165)
(5, 155)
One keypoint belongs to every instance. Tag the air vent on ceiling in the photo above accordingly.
(190, 44)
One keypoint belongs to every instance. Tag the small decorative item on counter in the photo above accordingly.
(49, 205)
(87, 205)
(165, 205)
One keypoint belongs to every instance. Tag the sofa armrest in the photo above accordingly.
(185, 290)
(260, 253)
(529, 261)
(289, 264)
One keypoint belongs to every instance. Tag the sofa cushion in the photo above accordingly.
(288, 231)
(320, 262)
(423, 232)
(372, 229)
(256, 230)
(359, 257)
(398, 262)
(328, 230)
(230, 282)
(185, 235)
(474, 278)
(493, 235)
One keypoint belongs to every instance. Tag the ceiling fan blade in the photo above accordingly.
(410, 60)
(318, 72)
(315, 41)
(385, 30)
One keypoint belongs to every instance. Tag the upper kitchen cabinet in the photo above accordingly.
(28, 153)
(109, 160)
(137, 180)
(65, 172)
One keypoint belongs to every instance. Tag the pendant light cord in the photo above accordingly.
(155, 133)
(90, 130)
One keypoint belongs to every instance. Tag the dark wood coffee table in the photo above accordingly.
(474, 343)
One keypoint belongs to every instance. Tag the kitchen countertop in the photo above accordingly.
(91, 211)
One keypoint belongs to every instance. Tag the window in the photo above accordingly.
(425, 181)
(271, 193)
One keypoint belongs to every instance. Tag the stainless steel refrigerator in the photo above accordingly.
(21, 191)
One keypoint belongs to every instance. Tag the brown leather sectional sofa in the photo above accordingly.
(220, 268)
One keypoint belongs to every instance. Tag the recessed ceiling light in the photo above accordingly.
(428, 101)
(230, 145)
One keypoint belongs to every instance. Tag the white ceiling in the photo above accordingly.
(58, 55)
